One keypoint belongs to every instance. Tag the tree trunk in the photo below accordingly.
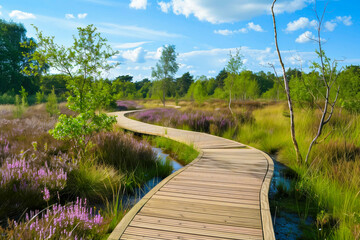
(287, 90)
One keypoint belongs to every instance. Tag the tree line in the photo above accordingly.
(235, 84)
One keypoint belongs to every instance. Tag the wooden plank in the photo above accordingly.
(188, 230)
(228, 199)
(197, 225)
(200, 217)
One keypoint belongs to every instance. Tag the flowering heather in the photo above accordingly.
(72, 221)
(203, 121)
(27, 175)
(127, 105)
(124, 151)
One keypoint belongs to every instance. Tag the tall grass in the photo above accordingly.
(183, 153)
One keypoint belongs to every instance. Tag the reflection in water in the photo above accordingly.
(140, 192)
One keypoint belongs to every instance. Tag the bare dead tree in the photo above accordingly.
(328, 75)
(287, 90)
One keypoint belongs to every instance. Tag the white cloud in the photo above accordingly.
(212, 72)
(305, 37)
(138, 4)
(21, 15)
(82, 15)
(165, 6)
(346, 20)
(301, 23)
(155, 55)
(255, 27)
(137, 55)
(249, 26)
(330, 26)
(215, 11)
(224, 32)
(129, 45)
(134, 31)
(69, 16)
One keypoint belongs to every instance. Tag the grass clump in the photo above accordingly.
(183, 153)
(134, 159)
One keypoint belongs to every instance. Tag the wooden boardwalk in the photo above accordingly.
(223, 194)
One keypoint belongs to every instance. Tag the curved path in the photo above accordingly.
(223, 194)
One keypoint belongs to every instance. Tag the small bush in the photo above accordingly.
(52, 106)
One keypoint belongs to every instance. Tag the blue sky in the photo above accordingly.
(203, 31)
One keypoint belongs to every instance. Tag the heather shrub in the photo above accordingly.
(30, 180)
(71, 221)
(215, 122)
(126, 105)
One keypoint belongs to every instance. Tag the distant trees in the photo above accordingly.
(349, 80)
(164, 72)
(14, 58)
(183, 84)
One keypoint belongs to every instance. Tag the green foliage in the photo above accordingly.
(244, 85)
(200, 92)
(83, 62)
(349, 81)
(164, 72)
(19, 108)
(14, 58)
(52, 106)
(220, 78)
(183, 83)
(24, 94)
(40, 97)
(7, 98)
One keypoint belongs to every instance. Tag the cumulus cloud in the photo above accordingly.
(301, 23)
(331, 25)
(82, 15)
(137, 55)
(215, 11)
(21, 15)
(249, 26)
(305, 37)
(346, 20)
(255, 27)
(165, 6)
(155, 55)
(69, 16)
(138, 4)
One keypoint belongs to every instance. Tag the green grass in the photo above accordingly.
(331, 178)
(181, 152)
